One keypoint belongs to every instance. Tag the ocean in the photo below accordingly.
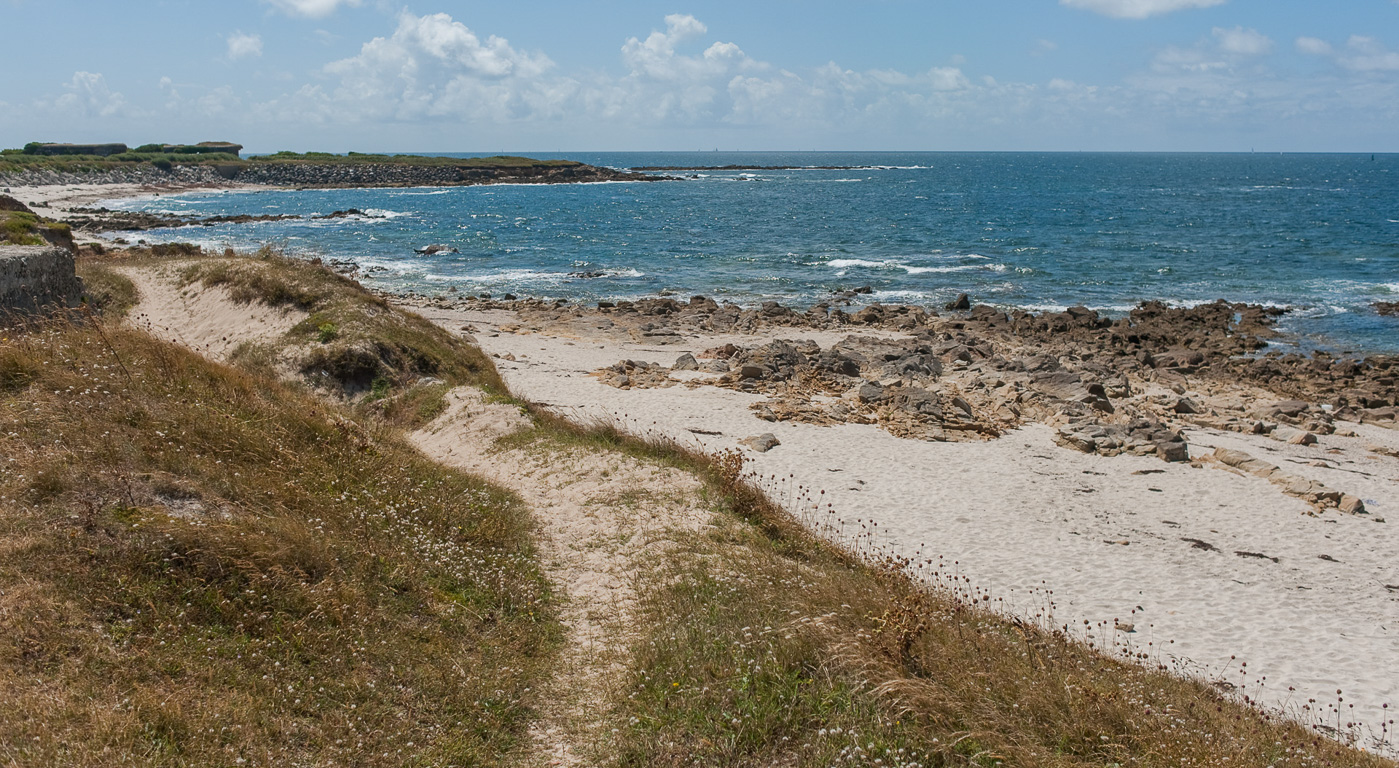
(1318, 234)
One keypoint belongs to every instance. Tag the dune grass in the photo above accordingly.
(20, 228)
(201, 566)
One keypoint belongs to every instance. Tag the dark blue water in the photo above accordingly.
(1316, 233)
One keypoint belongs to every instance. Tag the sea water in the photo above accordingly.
(1318, 234)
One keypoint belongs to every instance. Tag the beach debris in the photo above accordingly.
(436, 248)
(761, 443)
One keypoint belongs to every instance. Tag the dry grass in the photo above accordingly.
(764, 645)
(200, 566)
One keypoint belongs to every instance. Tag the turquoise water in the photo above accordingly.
(1316, 233)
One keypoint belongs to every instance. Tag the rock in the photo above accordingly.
(1288, 408)
(429, 250)
(962, 302)
(1177, 451)
(750, 372)
(762, 443)
(1185, 406)
(1387, 308)
(1351, 505)
(686, 362)
(871, 392)
(1292, 435)
(1077, 441)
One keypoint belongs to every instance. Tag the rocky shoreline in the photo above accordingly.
(1130, 385)
(331, 175)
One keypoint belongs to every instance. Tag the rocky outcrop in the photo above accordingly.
(35, 278)
(330, 175)
(1314, 493)
(337, 175)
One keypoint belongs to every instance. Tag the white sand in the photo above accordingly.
(206, 320)
(1021, 515)
(58, 201)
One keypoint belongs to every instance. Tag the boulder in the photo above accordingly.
(1351, 505)
(429, 250)
(961, 303)
(762, 443)
(686, 362)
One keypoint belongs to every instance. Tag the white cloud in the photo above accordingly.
(1314, 46)
(1366, 54)
(433, 66)
(311, 8)
(241, 46)
(1138, 9)
(1360, 53)
(89, 96)
(1241, 41)
(434, 79)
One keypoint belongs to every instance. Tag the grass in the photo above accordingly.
(762, 644)
(20, 228)
(17, 162)
(201, 566)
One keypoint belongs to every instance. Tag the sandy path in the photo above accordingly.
(1108, 536)
(602, 519)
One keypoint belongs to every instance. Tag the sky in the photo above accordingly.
(612, 75)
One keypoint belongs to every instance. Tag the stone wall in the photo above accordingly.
(33, 277)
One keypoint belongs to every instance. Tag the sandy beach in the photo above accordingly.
(1197, 566)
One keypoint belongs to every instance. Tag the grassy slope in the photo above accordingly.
(199, 564)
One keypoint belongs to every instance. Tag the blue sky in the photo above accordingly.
(442, 75)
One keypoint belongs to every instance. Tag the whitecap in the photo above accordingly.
(847, 263)
(959, 268)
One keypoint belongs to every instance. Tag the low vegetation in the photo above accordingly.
(23, 228)
(16, 161)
